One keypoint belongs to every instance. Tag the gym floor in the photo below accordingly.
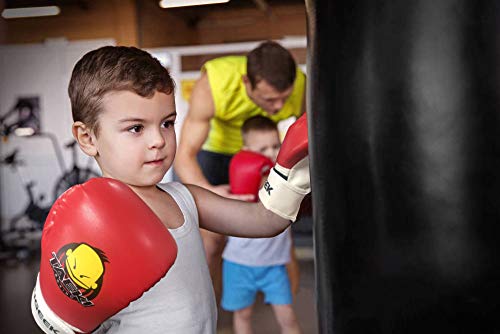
(17, 279)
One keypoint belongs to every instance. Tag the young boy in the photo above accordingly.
(124, 113)
(251, 265)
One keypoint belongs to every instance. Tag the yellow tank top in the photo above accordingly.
(233, 106)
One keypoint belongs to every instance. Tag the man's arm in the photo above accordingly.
(194, 133)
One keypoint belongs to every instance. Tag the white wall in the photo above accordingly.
(40, 70)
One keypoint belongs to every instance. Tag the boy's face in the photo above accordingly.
(265, 142)
(136, 142)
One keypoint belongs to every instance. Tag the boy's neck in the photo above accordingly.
(146, 191)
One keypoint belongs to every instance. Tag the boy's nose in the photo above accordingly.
(157, 140)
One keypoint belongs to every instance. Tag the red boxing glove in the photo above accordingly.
(295, 144)
(289, 181)
(246, 170)
(102, 248)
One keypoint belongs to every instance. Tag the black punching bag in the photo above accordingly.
(404, 124)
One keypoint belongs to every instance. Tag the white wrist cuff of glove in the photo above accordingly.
(280, 197)
(47, 320)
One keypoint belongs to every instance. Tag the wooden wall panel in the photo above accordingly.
(160, 27)
(252, 24)
(3, 27)
(102, 19)
(143, 23)
(126, 28)
(195, 62)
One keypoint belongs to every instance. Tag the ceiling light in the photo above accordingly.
(13, 13)
(184, 3)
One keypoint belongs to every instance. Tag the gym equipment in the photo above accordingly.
(21, 239)
(404, 127)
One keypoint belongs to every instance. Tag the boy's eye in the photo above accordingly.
(168, 124)
(135, 128)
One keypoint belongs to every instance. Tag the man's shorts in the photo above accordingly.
(241, 283)
(215, 166)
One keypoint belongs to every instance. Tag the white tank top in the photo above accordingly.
(259, 252)
(183, 301)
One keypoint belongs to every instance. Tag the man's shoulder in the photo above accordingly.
(300, 79)
(226, 65)
(224, 77)
(228, 59)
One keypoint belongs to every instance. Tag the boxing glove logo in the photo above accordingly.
(79, 271)
(268, 188)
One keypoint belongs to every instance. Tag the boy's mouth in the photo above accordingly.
(155, 162)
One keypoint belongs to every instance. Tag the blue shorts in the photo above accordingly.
(241, 283)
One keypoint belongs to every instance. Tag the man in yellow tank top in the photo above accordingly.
(230, 90)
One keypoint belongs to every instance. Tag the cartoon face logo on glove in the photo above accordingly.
(79, 271)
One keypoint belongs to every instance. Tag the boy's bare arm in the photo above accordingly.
(236, 218)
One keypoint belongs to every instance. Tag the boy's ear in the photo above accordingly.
(84, 136)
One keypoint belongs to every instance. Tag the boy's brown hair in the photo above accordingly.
(258, 123)
(113, 68)
(273, 63)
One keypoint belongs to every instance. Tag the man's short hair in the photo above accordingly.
(258, 123)
(273, 63)
(109, 69)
